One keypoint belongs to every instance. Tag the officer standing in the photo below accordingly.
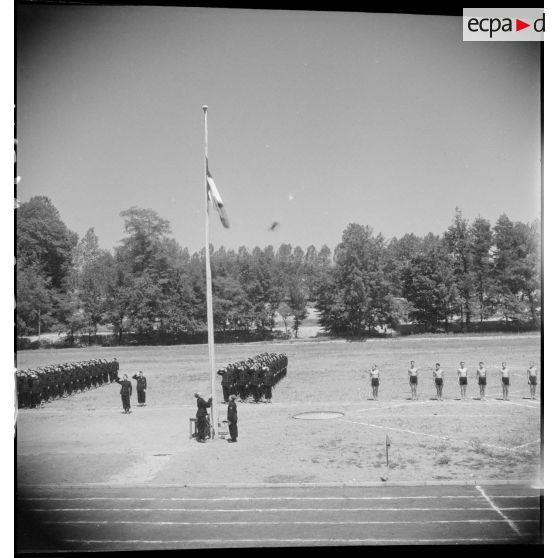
(141, 387)
(232, 418)
(125, 392)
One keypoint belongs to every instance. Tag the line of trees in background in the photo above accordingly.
(153, 288)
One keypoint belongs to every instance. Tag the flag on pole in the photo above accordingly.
(388, 441)
(215, 197)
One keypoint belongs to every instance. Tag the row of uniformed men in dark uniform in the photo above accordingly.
(40, 385)
(254, 377)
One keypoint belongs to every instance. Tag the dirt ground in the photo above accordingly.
(87, 439)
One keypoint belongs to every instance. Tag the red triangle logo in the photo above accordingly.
(519, 25)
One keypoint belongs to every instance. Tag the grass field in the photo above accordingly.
(86, 438)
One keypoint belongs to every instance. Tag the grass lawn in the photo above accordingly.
(86, 438)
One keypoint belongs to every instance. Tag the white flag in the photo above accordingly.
(215, 197)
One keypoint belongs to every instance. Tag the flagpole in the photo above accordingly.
(209, 295)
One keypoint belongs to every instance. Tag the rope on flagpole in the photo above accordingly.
(209, 297)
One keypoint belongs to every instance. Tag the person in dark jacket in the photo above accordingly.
(35, 390)
(226, 382)
(267, 383)
(232, 419)
(202, 425)
(141, 387)
(125, 392)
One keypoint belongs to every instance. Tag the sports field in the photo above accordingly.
(87, 439)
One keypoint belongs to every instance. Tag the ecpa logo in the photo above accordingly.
(503, 24)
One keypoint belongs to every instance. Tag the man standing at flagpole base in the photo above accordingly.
(232, 419)
(201, 416)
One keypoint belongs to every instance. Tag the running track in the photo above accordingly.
(86, 518)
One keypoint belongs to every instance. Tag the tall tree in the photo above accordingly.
(35, 300)
(482, 266)
(93, 274)
(428, 284)
(517, 268)
(359, 281)
(458, 243)
(232, 308)
(298, 302)
(43, 239)
(141, 249)
(397, 255)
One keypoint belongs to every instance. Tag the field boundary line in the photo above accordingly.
(498, 510)
(271, 510)
(217, 523)
(527, 483)
(274, 498)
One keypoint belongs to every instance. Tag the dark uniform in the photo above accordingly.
(255, 381)
(141, 386)
(26, 388)
(35, 390)
(232, 418)
(226, 382)
(255, 376)
(21, 379)
(114, 370)
(69, 379)
(125, 393)
(267, 382)
(243, 379)
(202, 425)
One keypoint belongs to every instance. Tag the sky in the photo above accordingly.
(316, 120)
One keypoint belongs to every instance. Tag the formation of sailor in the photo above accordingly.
(253, 378)
(37, 386)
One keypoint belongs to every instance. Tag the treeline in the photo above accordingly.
(151, 287)
(473, 272)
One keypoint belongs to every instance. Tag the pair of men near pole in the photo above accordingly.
(203, 429)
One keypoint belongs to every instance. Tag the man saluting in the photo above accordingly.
(125, 392)
(141, 387)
